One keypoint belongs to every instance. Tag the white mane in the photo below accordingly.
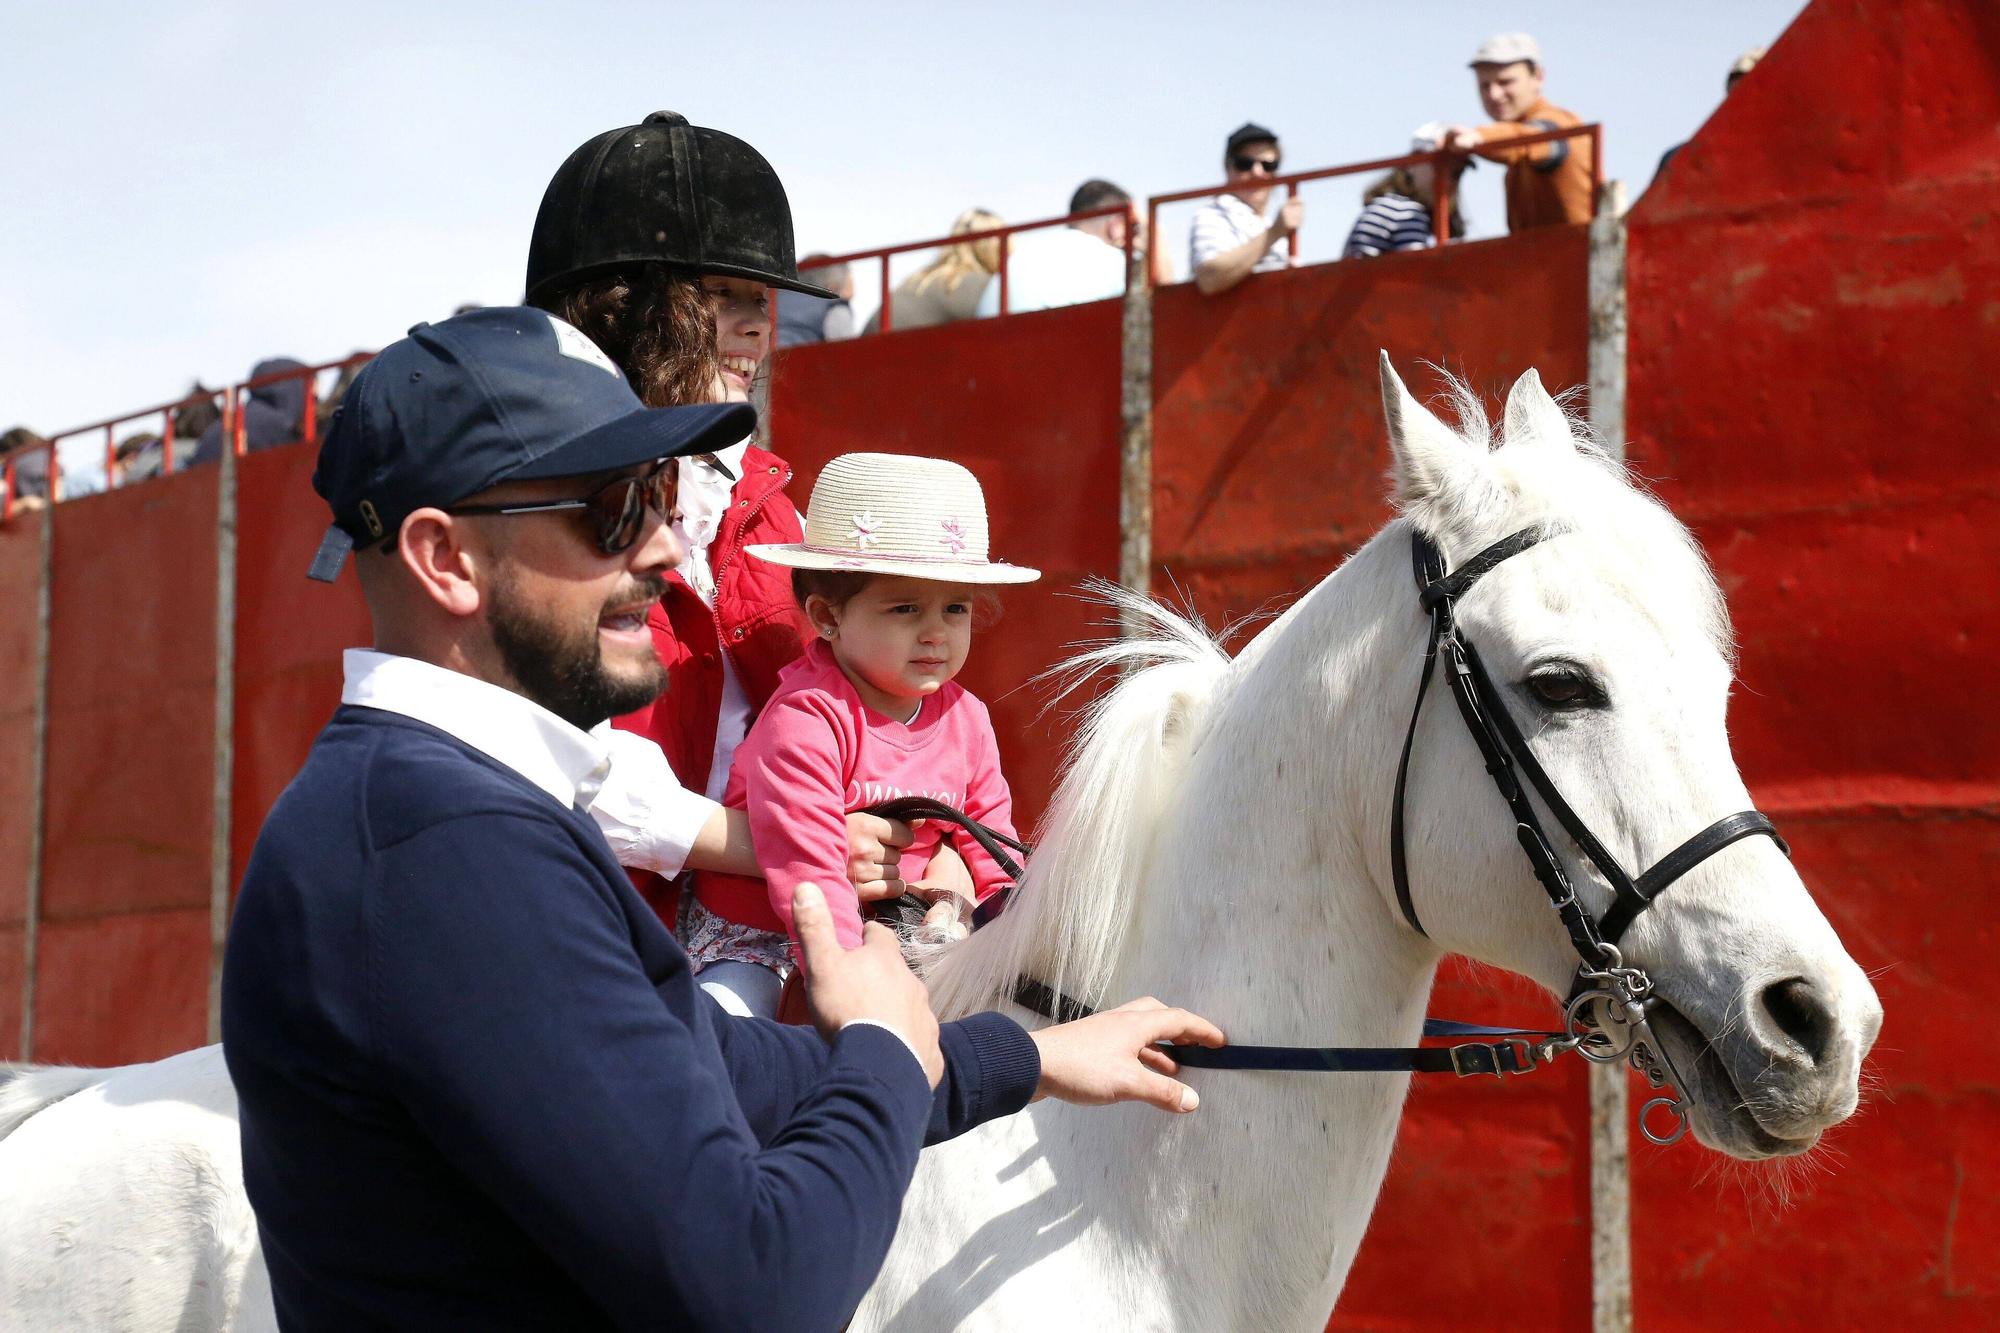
(1068, 919)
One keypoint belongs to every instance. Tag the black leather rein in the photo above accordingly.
(1506, 753)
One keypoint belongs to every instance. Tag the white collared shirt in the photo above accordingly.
(621, 780)
(704, 499)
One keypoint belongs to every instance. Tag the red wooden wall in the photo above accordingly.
(124, 939)
(1814, 324)
(122, 969)
(20, 579)
(1815, 327)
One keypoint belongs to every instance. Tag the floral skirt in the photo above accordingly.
(709, 938)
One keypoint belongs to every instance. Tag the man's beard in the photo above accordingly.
(563, 669)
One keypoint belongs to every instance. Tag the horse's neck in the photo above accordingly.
(1263, 886)
(1264, 914)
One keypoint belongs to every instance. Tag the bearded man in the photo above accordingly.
(479, 1087)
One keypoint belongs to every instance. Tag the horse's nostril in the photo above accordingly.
(1801, 1015)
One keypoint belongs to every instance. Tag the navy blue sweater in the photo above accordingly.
(480, 1088)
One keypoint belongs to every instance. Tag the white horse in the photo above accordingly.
(1220, 838)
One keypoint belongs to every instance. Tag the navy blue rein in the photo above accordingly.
(1516, 1053)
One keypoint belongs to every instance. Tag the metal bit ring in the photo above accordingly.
(1677, 1108)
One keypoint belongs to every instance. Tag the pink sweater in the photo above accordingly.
(817, 753)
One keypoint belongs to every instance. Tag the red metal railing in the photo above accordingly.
(1003, 234)
(1438, 159)
(233, 429)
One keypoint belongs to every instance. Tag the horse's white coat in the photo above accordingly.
(124, 1205)
(1220, 841)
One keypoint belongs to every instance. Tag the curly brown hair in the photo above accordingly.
(655, 321)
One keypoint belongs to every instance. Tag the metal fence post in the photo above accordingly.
(1135, 473)
(1610, 1096)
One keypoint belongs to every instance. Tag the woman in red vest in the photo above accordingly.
(661, 241)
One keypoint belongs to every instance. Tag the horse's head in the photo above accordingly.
(1610, 647)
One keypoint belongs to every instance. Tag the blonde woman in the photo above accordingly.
(949, 287)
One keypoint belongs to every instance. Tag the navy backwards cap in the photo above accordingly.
(500, 394)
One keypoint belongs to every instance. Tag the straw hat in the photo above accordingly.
(897, 514)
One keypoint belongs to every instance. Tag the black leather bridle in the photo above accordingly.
(1602, 974)
(1604, 1018)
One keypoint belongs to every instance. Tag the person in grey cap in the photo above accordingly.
(1229, 239)
(1548, 184)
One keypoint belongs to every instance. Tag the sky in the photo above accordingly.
(192, 187)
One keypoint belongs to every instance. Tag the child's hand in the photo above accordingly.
(874, 849)
(950, 916)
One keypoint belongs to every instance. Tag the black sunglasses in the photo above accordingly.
(1270, 164)
(617, 509)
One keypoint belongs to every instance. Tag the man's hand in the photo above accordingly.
(1462, 138)
(1288, 219)
(874, 847)
(870, 982)
(1110, 1057)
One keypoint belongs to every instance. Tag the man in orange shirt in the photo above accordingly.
(1548, 184)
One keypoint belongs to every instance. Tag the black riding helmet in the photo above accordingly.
(664, 190)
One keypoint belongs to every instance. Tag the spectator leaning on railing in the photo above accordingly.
(29, 454)
(273, 413)
(1548, 184)
(949, 287)
(1229, 238)
(1400, 208)
(1058, 266)
(817, 319)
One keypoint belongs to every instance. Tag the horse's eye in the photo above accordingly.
(1565, 687)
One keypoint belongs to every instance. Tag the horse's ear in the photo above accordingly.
(1428, 454)
(1533, 416)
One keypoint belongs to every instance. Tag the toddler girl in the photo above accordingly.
(894, 551)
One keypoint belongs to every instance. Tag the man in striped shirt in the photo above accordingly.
(1230, 239)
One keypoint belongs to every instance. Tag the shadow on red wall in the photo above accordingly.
(1814, 333)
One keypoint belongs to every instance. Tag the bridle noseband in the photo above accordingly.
(1602, 974)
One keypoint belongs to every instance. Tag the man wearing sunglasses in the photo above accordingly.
(478, 1085)
(1229, 238)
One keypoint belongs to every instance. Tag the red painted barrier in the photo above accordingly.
(1813, 336)
(290, 633)
(20, 583)
(123, 967)
(1813, 331)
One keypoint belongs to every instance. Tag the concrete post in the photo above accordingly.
(1610, 1099)
(38, 799)
(223, 773)
(1135, 488)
